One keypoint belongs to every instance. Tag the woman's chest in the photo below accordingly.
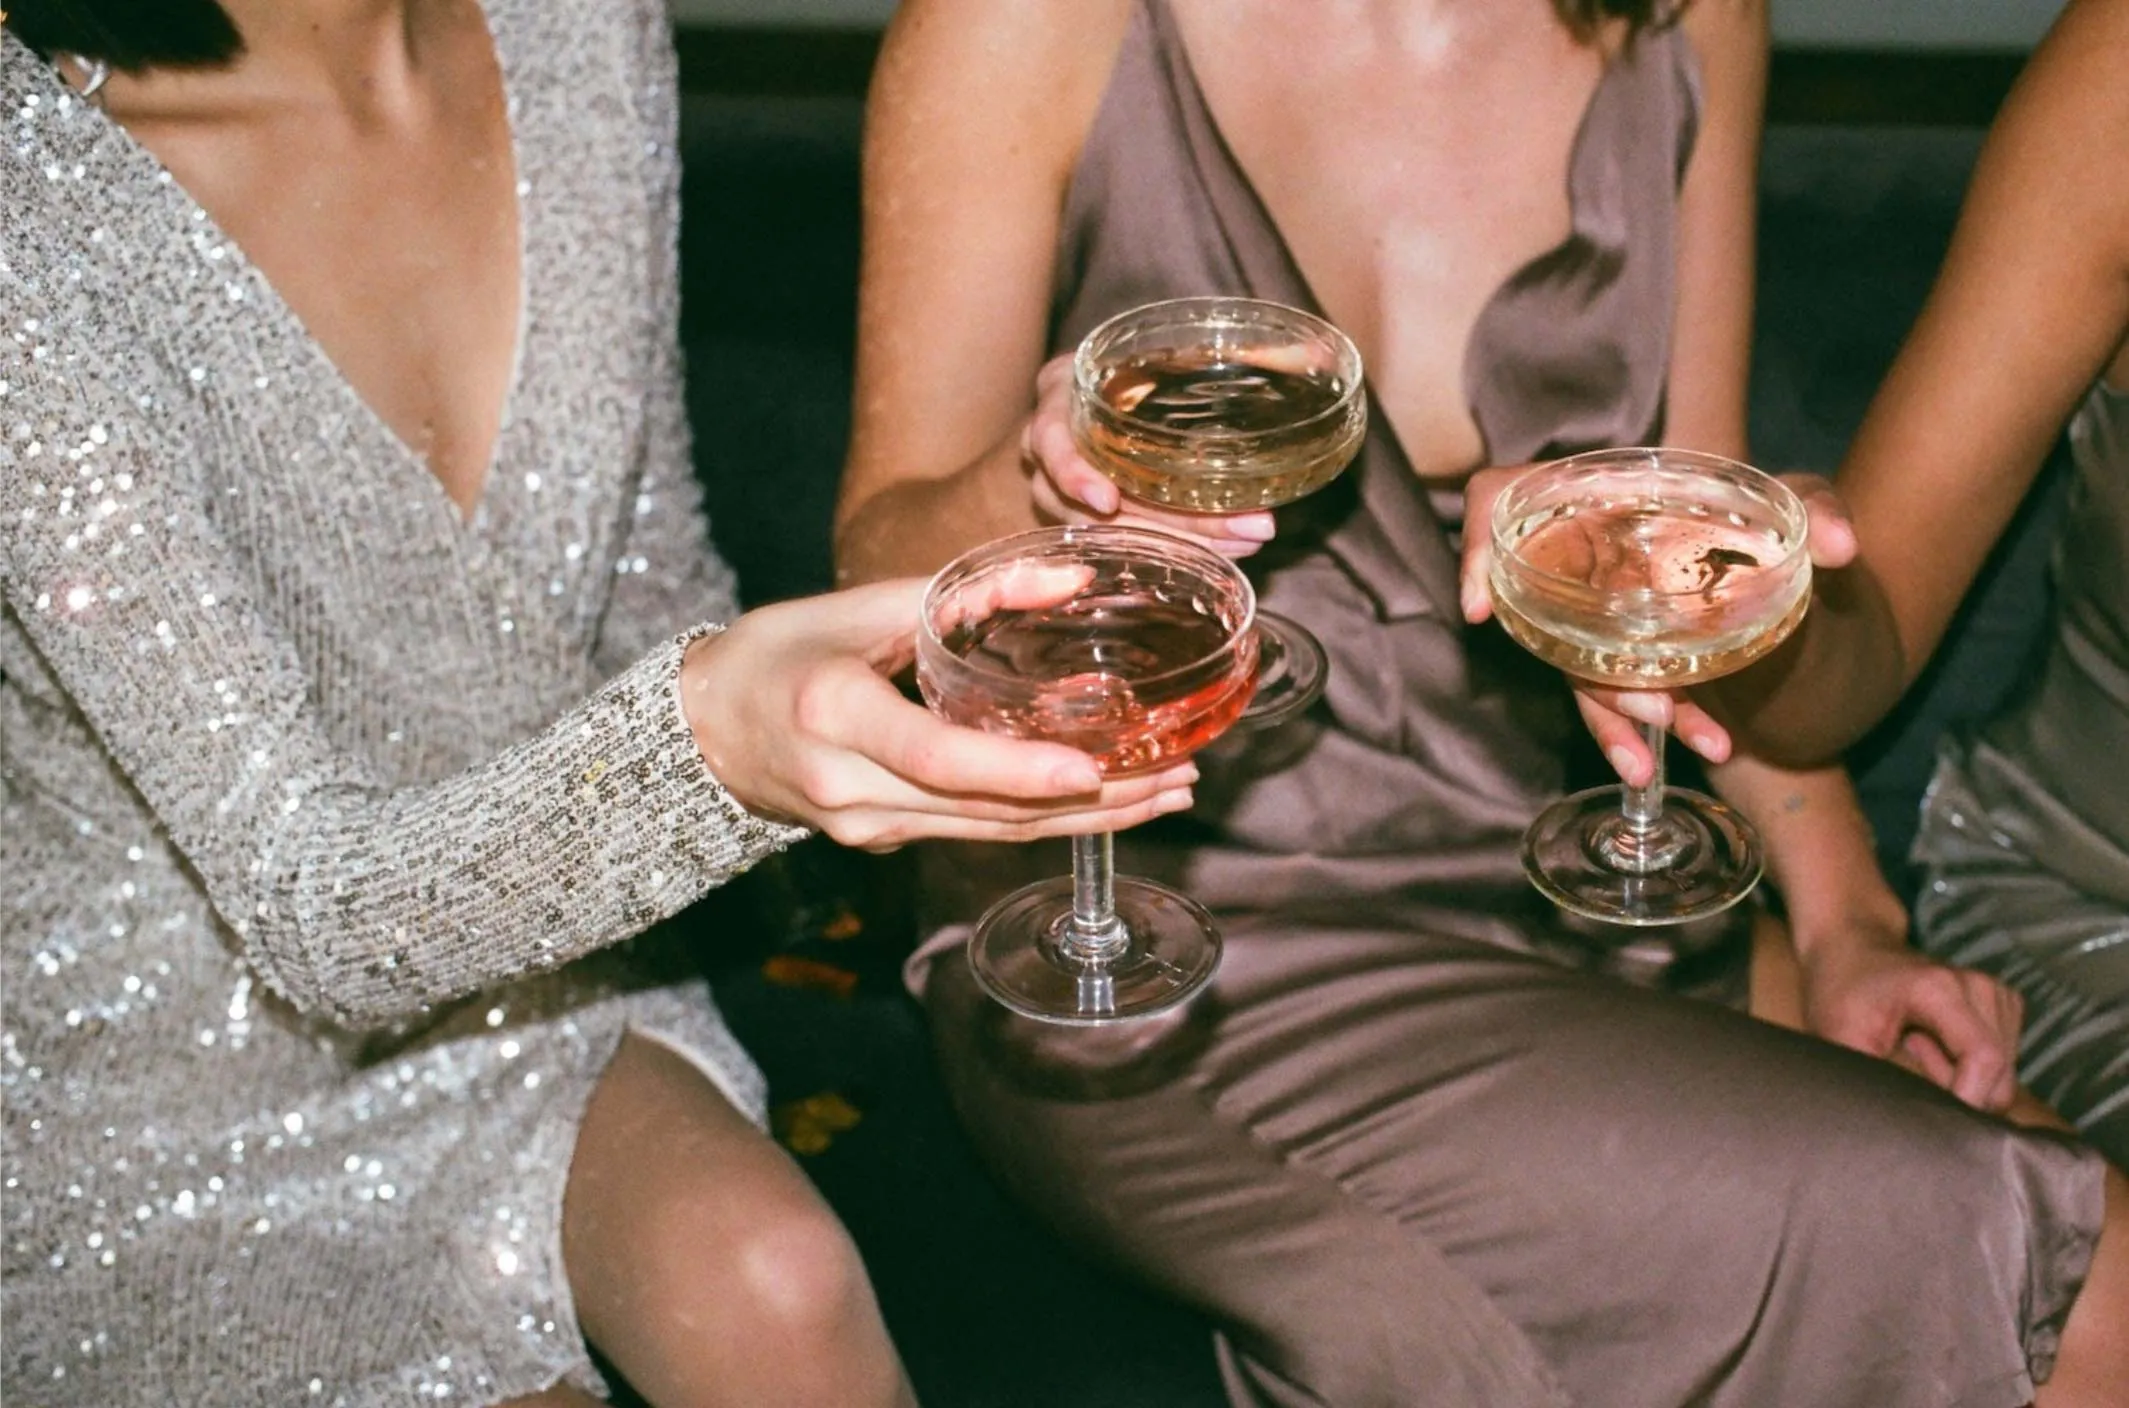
(1410, 176)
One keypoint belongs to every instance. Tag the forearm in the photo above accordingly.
(1821, 855)
(365, 906)
(1844, 669)
(912, 527)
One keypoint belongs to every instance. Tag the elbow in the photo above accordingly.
(1814, 728)
(298, 966)
(354, 1011)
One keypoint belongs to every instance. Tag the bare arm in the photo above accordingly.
(1862, 985)
(1860, 982)
(977, 111)
(1711, 327)
(2032, 302)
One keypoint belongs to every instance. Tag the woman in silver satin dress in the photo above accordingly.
(2025, 830)
(1398, 1153)
(2024, 840)
(361, 699)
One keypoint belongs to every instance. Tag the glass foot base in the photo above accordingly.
(1291, 670)
(1698, 858)
(1021, 955)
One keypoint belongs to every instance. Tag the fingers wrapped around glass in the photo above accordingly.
(1138, 648)
(1648, 569)
(1225, 405)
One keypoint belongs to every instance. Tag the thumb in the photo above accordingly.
(1831, 532)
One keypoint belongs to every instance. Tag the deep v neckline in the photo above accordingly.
(1503, 295)
(407, 462)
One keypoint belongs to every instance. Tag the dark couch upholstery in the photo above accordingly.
(987, 1306)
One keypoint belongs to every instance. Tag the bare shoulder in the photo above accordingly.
(1726, 32)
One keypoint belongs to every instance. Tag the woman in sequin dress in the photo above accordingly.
(361, 703)
(1398, 1152)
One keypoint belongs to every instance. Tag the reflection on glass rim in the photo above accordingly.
(1511, 512)
(1036, 544)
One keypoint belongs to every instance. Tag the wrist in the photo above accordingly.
(699, 702)
(1848, 926)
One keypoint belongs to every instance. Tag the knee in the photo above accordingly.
(795, 1272)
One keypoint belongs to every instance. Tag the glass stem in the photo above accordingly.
(1643, 805)
(1095, 936)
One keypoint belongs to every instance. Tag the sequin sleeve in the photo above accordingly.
(667, 575)
(354, 900)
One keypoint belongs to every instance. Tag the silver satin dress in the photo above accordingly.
(2025, 829)
(302, 774)
(1400, 1155)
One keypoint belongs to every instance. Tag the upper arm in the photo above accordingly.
(2032, 301)
(1711, 337)
(668, 577)
(974, 121)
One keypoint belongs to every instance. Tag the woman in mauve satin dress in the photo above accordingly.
(1402, 1152)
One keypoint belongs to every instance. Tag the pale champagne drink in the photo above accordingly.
(1192, 429)
(1137, 648)
(1647, 569)
(1225, 405)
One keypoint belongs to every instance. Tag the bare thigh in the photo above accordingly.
(704, 1264)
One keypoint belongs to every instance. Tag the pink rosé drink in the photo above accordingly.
(1138, 648)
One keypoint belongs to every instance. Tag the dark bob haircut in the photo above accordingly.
(128, 34)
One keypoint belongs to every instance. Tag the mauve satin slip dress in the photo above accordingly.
(1398, 1153)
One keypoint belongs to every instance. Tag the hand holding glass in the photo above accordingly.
(1651, 569)
(1224, 405)
(1138, 648)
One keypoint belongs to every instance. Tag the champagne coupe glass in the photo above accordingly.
(1224, 405)
(1649, 569)
(1137, 648)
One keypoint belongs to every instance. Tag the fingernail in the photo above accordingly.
(1175, 799)
(1474, 602)
(1711, 746)
(1623, 761)
(1256, 528)
(1188, 775)
(1646, 708)
(1077, 777)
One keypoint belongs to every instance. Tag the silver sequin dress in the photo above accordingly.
(302, 773)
